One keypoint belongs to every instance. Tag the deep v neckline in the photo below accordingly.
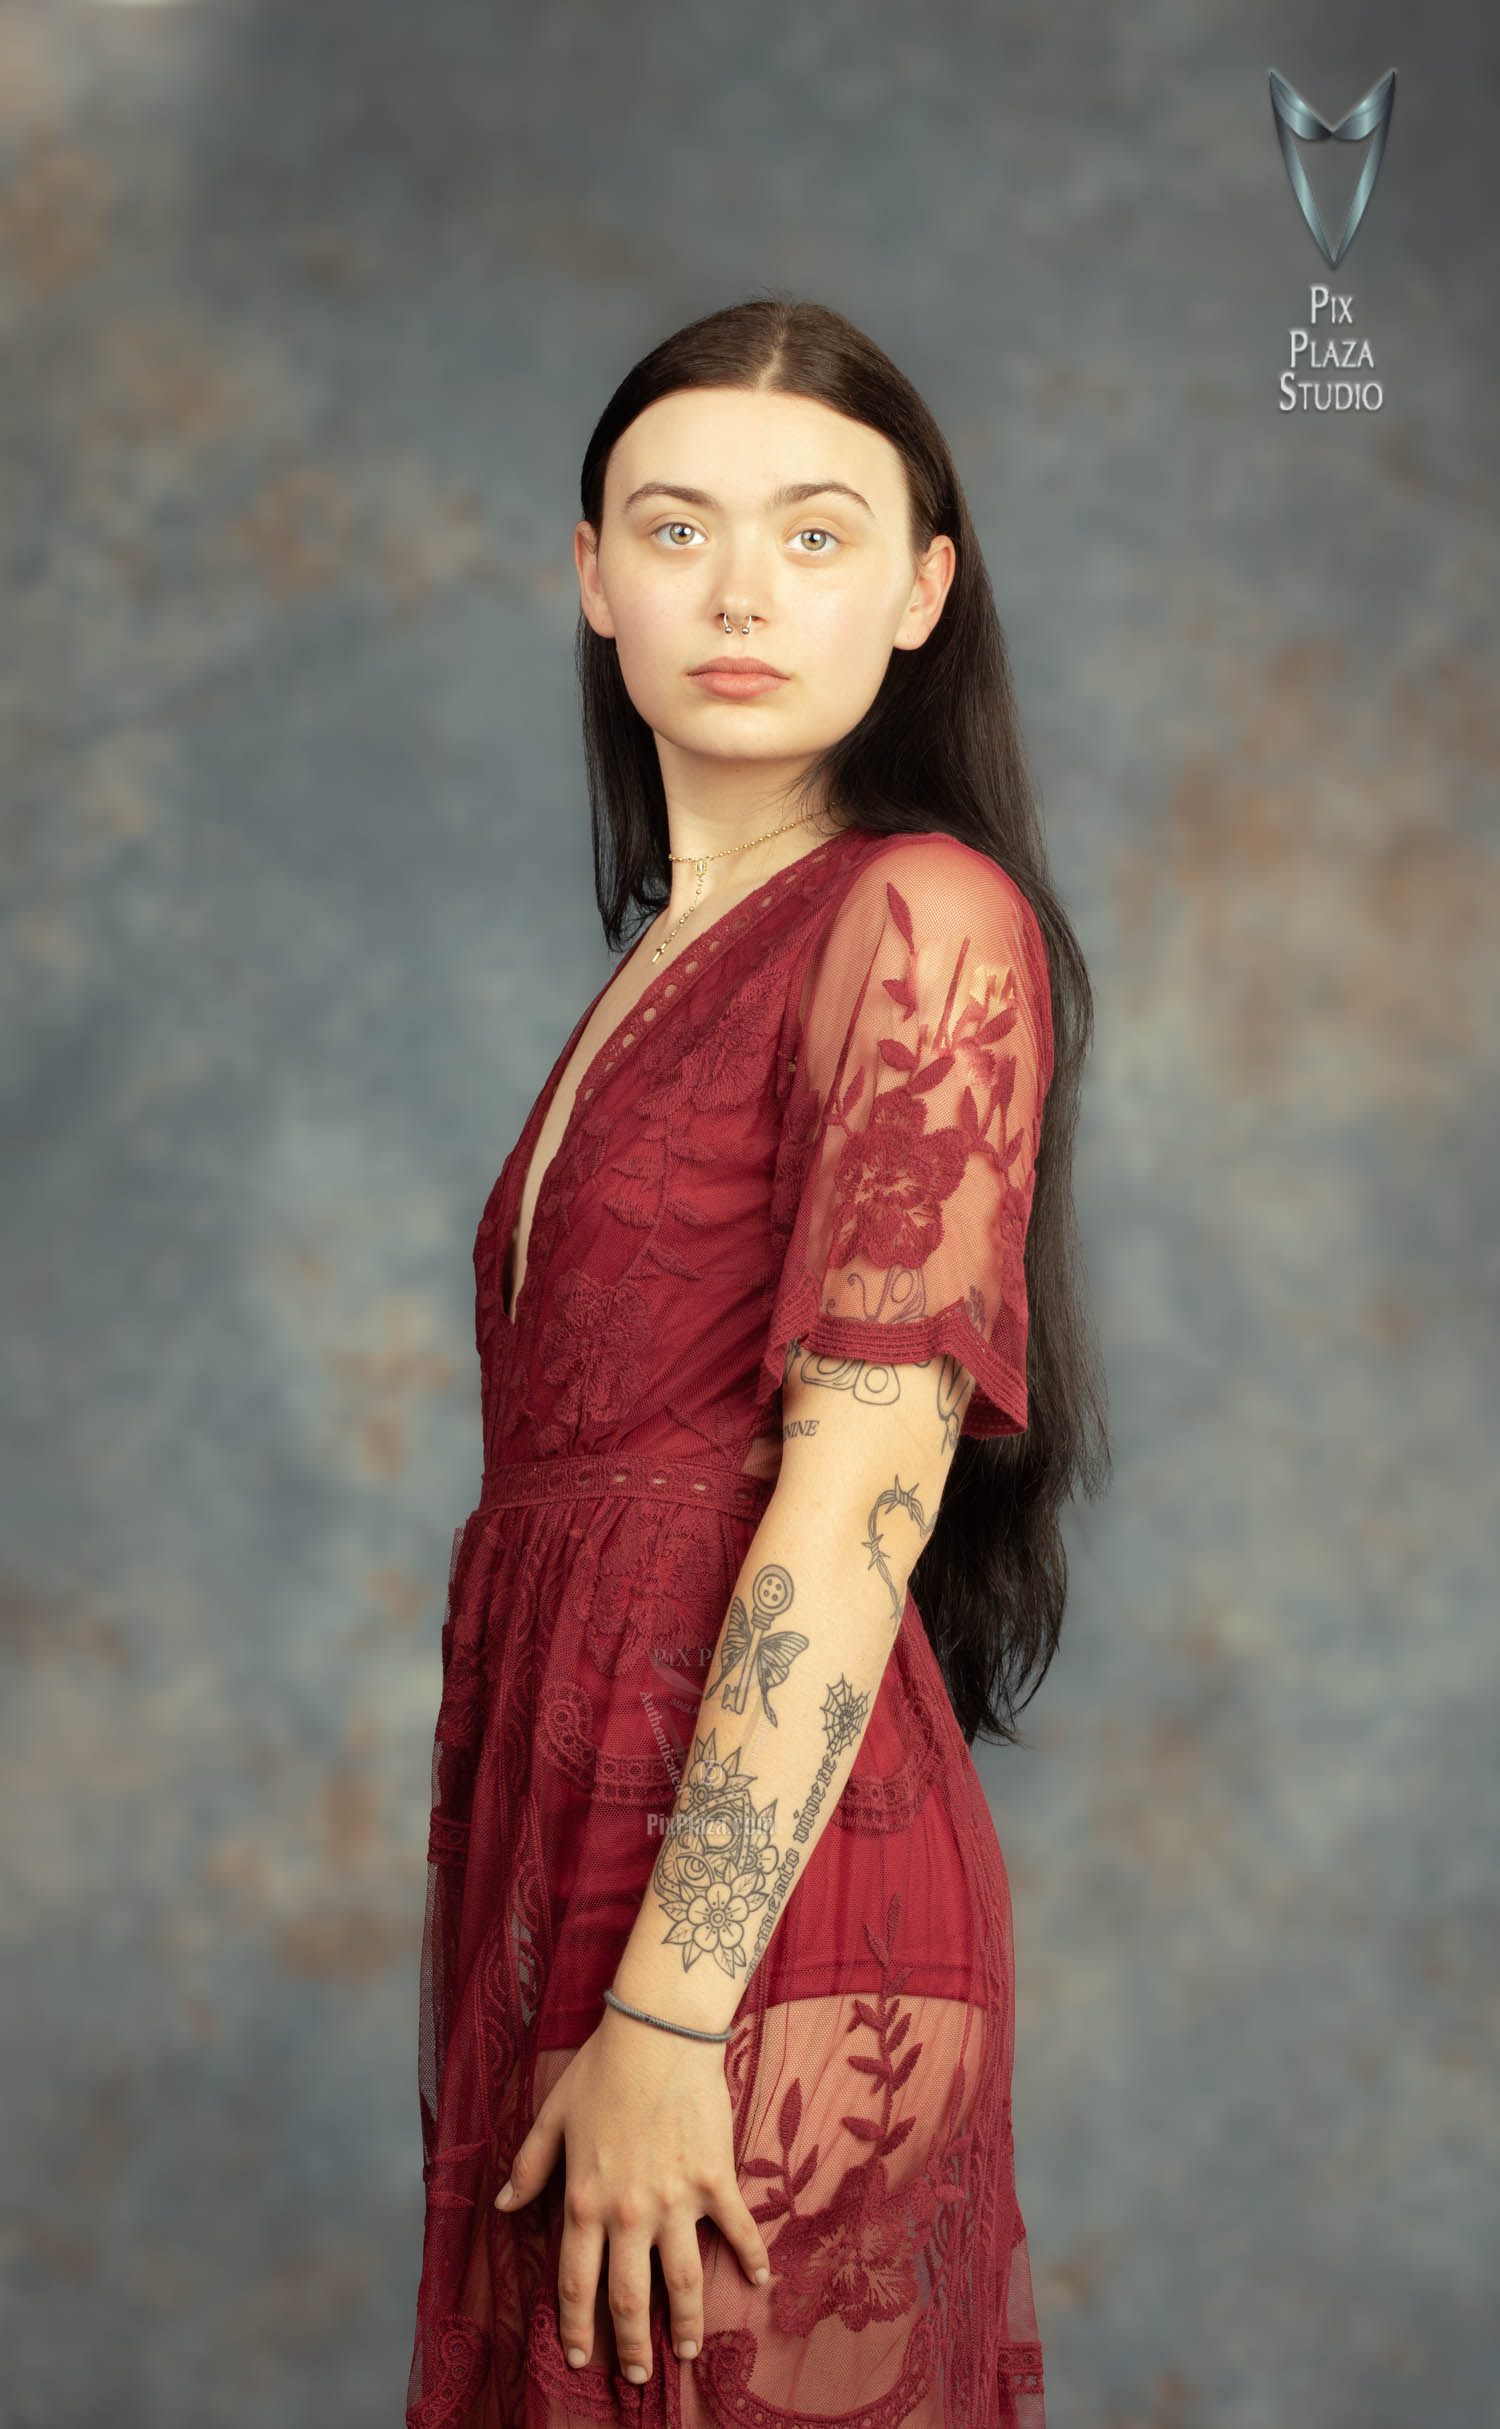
(670, 984)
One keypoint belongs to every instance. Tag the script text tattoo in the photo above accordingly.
(845, 1709)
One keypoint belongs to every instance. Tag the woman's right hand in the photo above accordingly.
(643, 2122)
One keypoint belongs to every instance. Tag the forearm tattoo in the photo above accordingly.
(896, 1496)
(749, 1647)
(844, 1712)
(720, 1867)
(720, 1874)
(718, 1859)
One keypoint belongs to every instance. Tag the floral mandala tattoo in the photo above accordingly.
(718, 1859)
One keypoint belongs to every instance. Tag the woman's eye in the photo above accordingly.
(810, 531)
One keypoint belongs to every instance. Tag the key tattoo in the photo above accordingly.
(749, 1647)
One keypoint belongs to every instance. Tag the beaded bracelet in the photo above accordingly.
(693, 2031)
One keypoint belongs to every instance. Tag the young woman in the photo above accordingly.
(786, 1377)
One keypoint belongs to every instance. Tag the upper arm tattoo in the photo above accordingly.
(879, 1386)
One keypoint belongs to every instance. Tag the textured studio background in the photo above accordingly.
(307, 310)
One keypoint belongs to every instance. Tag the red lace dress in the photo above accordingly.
(820, 1125)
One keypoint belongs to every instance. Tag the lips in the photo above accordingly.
(735, 666)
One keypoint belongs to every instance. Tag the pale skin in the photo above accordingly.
(829, 585)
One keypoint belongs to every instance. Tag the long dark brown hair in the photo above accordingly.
(938, 748)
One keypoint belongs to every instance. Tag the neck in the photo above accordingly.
(695, 900)
(716, 804)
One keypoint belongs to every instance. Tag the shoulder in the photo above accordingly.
(925, 915)
(936, 885)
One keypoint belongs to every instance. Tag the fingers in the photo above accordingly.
(533, 2162)
(682, 2268)
(578, 2283)
(630, 2299)
(629, 2289)
(732, 2215)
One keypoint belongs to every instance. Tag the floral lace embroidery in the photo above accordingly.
(591, 1353)
(909, 1145)
(857, 2255)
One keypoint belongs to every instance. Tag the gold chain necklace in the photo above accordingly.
(702, 864)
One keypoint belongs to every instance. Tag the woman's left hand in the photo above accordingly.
(644, 2120)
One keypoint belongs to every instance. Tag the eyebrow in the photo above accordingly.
(791, 493)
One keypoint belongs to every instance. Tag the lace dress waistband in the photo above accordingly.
(579, 1477)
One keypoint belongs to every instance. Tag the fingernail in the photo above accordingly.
(761, 2275)
(507, 2193)
(637, 2373)
(575, 2356)
(687, 2352)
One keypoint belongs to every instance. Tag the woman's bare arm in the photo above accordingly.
(815, 1614)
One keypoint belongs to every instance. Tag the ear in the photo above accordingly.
(590, 590)
(934, 578)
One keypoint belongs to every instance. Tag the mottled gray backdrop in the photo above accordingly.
(307, 311)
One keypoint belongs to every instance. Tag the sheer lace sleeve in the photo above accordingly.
(922, 1053)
